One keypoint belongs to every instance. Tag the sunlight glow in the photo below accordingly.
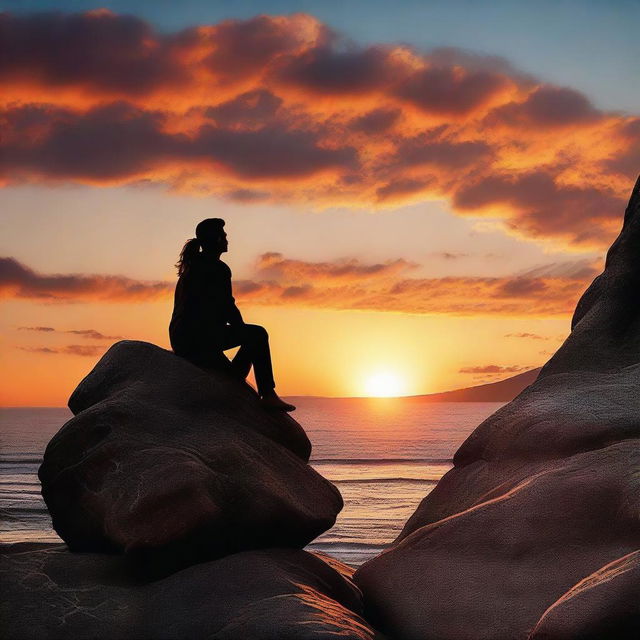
(385, 384)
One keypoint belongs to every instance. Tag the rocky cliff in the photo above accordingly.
(535, 531)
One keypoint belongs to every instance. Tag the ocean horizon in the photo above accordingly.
(384, 455)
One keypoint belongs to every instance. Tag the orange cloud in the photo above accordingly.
(494, 369)
(348, 284)
(344, 284)
(90, 334)
(71, 349)
(281, 108)
(19, 281)
(276, 266)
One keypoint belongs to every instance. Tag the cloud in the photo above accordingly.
(422, 151)
(536, 204)
(235, 49)
(251, 108)
(494, 369)
(376, 121)
(19, 281)
(627, 160)
(270, 152)
(325, 70)
(547, 107)
(450, 91)
(276, 266)
(90, 334)
(532, 336)
(283, 109)
(546, 290)
(112, 142)
(401, 187)
(96, 50)
(71, 349)
(450, 255)
(549, 290)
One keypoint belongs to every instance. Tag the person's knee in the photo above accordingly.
(256, 333)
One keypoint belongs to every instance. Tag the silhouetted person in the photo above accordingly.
(206, 320)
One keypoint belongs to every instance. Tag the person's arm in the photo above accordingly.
(234, 317)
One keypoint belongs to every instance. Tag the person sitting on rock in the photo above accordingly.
(206, 320)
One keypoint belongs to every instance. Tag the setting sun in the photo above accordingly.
(385, 384)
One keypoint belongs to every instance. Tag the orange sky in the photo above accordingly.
(431, 215)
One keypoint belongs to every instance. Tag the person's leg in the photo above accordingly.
(254, 350)
(241, 362)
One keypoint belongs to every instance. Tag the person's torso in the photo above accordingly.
(203, 296)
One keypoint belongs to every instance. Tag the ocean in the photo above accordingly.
(384, 454)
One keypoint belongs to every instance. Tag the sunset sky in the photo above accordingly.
(417, 190)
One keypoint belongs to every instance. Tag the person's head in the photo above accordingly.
(210, 237)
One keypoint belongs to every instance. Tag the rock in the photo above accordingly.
(605, 604)
(542, 494)
(282, 594)
(166, 459)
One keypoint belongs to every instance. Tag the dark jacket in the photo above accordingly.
(203, 305)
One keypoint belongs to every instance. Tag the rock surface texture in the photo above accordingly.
(535, 532)
(166, 459)
(282, 594)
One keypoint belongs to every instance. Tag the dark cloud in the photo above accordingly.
(450, 91)
(547, 107)
(279, 108)
(402, 187)
(451, 57)
(246, 47)
(521, 287)
(376, 121)
(627, 161)
(270, 152)
(113, 141)
(296, 292)
(421, 150)
(97, 50)
(247, 287)
(531, 336)
(542, 206)
(43, 329)
(18, 281)
(326, 70)
(121, 141)
(253, 108)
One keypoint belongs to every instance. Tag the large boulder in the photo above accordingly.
(168, 460)
(542, 495)
(282, 594)
(605, 604)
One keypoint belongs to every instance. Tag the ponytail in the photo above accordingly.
(190, 250)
